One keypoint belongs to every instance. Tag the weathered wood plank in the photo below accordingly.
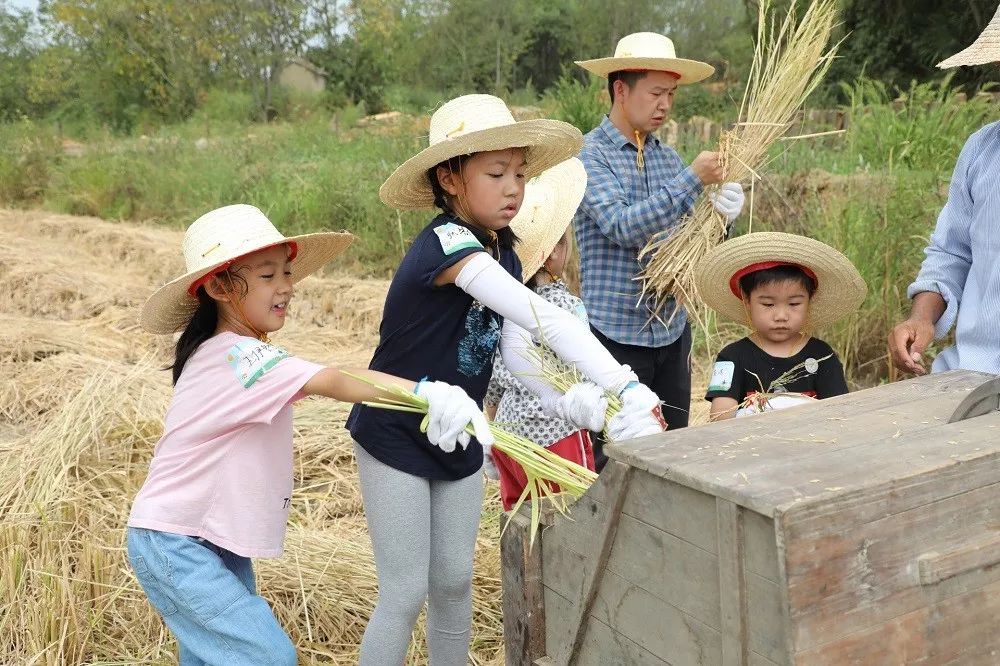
(732, 585)
(780, 471)
(949, 387)
(766, 619)
(523, 601)
(558, 616)
(936, 566)
(685, 513)
(761, 546)
(618, 476)
(960, 630)
(845, 581)
(669, 568)
(655, 625)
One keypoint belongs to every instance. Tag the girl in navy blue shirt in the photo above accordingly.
(456, 297)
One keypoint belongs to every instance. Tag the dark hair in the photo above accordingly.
(201, 326)
(505, 236)
(761, 278)
(627, 76)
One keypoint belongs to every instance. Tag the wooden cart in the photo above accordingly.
(863, 529)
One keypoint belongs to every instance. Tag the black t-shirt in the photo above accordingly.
(440, 333)
(732, 378)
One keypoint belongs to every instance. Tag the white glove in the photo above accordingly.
(450, 410)
(728, 200)
(583, 406)
(490, 468)
(640, 414)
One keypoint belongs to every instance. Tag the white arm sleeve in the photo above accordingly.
(486, 281)
(515, 346)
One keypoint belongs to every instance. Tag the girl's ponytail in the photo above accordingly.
(200, 328)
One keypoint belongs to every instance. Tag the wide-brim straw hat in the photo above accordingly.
(840, 289)
(550, 202)
(984, 50)
(649, 51)
(475, 124)
(214, 242)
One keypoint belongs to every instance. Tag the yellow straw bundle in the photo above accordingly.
(790, 59)
(541, 466)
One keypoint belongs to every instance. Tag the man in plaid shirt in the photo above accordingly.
(638, 188)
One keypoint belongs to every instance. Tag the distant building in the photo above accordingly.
(301, 75)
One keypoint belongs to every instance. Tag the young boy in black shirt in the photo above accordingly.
(781, 286)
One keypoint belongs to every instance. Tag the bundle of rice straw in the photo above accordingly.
(790, 60)
(542, 467)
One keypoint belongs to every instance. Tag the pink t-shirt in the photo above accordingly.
(223, 468)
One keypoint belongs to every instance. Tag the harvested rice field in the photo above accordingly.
(82, 396)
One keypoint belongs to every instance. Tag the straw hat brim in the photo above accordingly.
(550, 202)
(983, 51)
(170, 308)
(840, 288)
(546, 142)
(691, 71)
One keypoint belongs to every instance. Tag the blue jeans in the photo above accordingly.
(208, 599)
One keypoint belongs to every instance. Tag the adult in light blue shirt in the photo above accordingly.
(959, 281)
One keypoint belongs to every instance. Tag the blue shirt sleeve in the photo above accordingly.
(442, 246)
(631, 225)
(948, 257)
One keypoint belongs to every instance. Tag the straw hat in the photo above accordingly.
(213, 242)
(550, 202)
(840, 289)
(985, 49)
(649, 51)
(475, 124)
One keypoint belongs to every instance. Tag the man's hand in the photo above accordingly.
(907, 343)
(707, 167)
(909, 339)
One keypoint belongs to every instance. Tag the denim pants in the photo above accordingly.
(208, 598)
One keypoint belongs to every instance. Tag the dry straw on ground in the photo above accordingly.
(790, 59)
(82, 398)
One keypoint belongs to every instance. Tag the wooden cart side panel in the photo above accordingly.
(945, 633)
(852, 564)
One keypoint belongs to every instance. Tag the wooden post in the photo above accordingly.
(523, 600)
(619, 475)
(732, 585)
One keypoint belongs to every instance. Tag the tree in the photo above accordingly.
(18, 49)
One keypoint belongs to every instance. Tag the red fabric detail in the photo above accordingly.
(193, 289)
(674, 74)
(734, 281)
(575, 447)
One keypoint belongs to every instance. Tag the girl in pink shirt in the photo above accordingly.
(220, 482)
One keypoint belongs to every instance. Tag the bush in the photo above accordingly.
(915, 129)
(579, 104)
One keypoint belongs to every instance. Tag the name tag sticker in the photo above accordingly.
(722, 376)
(250, 360)
(454, 238)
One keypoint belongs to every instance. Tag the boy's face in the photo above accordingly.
(647, 104)
(778, 311)
(489, 189)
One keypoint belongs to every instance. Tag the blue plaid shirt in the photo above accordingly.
(622, 209)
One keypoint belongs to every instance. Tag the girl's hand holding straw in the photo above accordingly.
(449, 411)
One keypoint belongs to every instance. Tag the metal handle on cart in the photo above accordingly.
(984, 399)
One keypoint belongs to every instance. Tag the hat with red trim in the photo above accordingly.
(840, 289)
(214, 242)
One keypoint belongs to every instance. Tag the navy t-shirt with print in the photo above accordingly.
(440, 333)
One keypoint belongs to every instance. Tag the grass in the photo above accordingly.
(874, 192)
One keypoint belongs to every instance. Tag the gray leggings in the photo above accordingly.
(424, 535)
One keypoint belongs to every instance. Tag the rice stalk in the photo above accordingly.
(541, 466)
(790, 59)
